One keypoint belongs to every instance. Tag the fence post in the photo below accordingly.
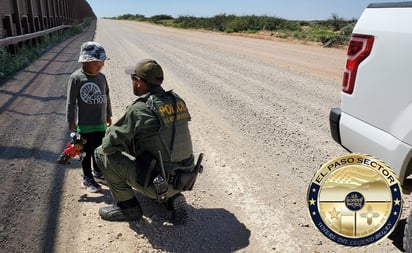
(8, 26)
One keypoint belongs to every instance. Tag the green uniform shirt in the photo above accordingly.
(151, 124)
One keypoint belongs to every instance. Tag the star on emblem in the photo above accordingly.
(397, 202)
(312, 202)
(334, 214)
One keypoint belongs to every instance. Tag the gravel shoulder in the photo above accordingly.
(259, 114)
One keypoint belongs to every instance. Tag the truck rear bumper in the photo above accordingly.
(334, 118)
(357, 136)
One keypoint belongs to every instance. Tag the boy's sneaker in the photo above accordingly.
(98, 177)
(91, 185)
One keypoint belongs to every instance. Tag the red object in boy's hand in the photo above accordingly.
(74, 149)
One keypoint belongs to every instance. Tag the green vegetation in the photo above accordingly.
(333, 32)
(25, 53)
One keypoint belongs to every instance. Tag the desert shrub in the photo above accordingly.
(332, 32)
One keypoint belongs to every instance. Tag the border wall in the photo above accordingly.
(25, 17)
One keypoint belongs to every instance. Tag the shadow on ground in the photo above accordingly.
(397, 235)
(207, 230)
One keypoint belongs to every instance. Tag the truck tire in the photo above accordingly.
(407, 234)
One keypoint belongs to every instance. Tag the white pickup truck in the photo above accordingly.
(375, 115)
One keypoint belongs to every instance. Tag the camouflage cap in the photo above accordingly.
(148, 70)
(92, 51)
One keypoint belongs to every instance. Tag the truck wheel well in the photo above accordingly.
(407, 182)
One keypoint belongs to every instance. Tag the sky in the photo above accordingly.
(287, 9)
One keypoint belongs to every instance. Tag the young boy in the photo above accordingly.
(89, 110)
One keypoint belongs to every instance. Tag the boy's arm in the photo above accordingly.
(109, 104)
(71, 103)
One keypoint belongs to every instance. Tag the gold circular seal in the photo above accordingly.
(355, 200)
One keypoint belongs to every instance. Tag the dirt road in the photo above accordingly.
(259, 113)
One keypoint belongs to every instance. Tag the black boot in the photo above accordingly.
(177, 204)
(129, 210)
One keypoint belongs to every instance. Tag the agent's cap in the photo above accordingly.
(92, 51)
(148, 70)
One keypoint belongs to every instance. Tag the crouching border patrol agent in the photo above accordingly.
(149, 149)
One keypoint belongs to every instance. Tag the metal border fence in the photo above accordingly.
(29, 20)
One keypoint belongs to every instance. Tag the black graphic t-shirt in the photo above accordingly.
(88, 100)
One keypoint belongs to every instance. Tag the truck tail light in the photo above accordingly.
(359, 48)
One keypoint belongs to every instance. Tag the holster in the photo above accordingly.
(145, 165)
(185, 180)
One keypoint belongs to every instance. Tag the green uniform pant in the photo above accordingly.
(120, 172)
